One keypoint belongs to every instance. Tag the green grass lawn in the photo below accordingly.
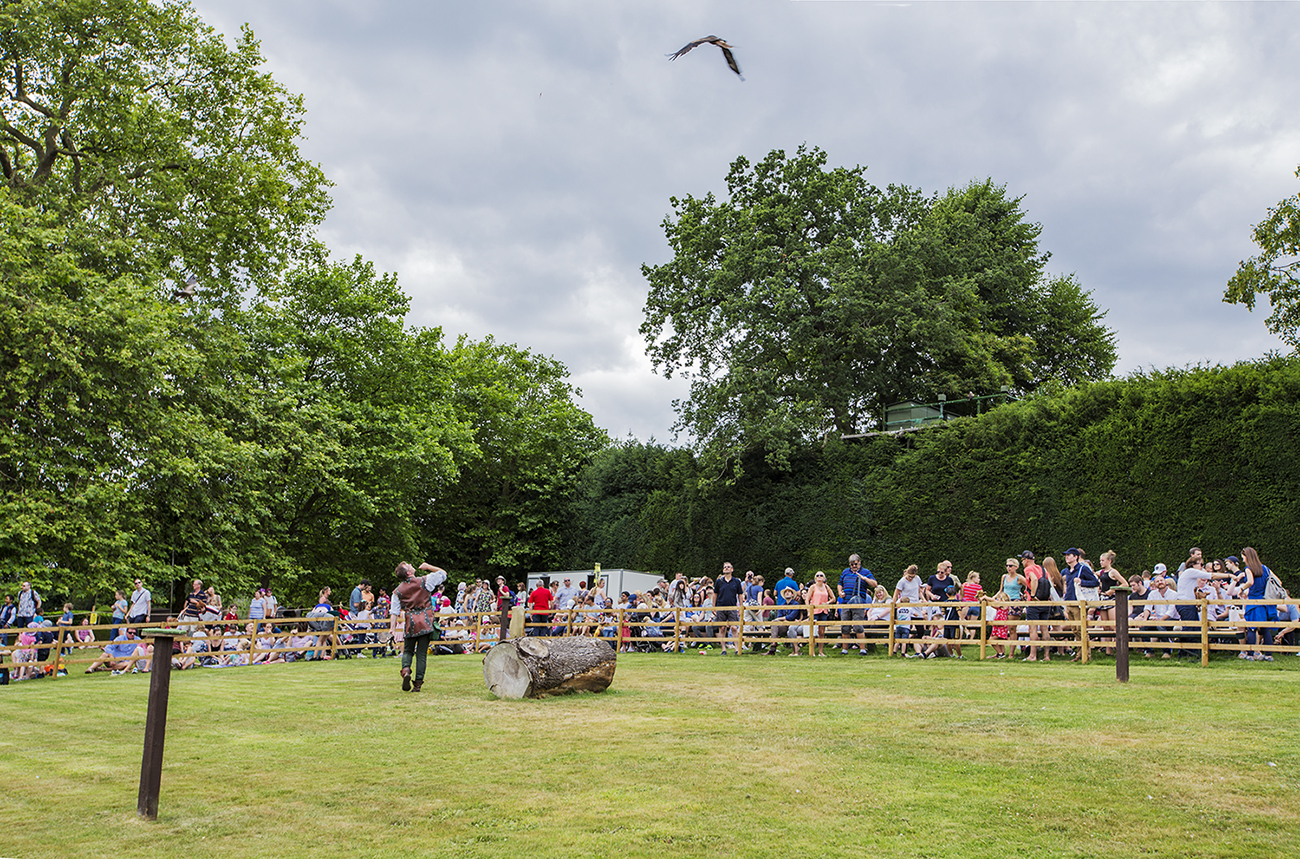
(682, 756)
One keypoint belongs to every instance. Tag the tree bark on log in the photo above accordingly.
(535, 667)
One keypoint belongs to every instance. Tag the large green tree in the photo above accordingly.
(136, 118)
(808, 299)
(1275, 271)
(87, 361)
(282, 425)
(510, 509)
(136, 148)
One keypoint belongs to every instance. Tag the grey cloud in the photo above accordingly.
(513, 161)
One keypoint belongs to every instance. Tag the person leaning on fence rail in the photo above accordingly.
(412, 597)
(1191, 575)
(1288, 614)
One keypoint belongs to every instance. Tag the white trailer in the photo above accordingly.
(615, 581)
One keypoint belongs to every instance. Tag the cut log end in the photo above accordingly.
(534, 667)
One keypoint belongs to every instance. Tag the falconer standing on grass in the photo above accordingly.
(411, 597)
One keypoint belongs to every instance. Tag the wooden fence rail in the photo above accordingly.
(675, 629)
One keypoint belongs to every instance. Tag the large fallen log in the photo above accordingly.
(534, 667)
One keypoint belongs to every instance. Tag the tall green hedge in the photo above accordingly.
(1148, 466)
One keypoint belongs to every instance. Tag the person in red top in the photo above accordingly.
(505, 598)
(1028, 567)
(540, 600)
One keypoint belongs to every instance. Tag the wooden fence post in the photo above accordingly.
(58, 650)
(1085, 645)
(893, 618)
(1121, 633)
(155, 723)
(1205, 631)
(984, 628)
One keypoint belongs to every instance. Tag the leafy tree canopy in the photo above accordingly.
(1275, 271)
(809, 299)
(136, 118)
(282, 426)
(510, 509)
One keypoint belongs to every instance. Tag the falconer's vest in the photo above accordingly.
(421, 619)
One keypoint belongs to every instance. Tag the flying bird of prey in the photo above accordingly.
(186, 292)
(713, 40)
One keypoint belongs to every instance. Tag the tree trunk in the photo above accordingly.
(534, 667)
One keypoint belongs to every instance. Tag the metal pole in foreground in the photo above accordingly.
(155, 723)
(1121, 633)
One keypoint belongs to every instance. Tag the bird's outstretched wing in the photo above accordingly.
(687, 48)
(712, 40)
(731, 62)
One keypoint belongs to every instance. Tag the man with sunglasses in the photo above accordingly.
(857, 588)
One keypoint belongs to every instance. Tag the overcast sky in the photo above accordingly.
(512, 161)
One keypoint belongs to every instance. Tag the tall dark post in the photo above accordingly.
(155, 723)
(1121, 633)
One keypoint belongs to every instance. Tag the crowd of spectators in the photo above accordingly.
(215, 634)
(1032, 611)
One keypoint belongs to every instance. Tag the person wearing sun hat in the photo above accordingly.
(785, 583)
(787, 621)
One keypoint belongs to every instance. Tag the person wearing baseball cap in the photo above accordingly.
(1078, 577)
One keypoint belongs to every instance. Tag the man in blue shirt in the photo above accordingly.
(1076, 569)
(8, 616)
(358, 599)
(122, 652)
(787, 582)
(857, 587)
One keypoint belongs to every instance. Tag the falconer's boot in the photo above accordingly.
(417, 686)
(406, 680)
